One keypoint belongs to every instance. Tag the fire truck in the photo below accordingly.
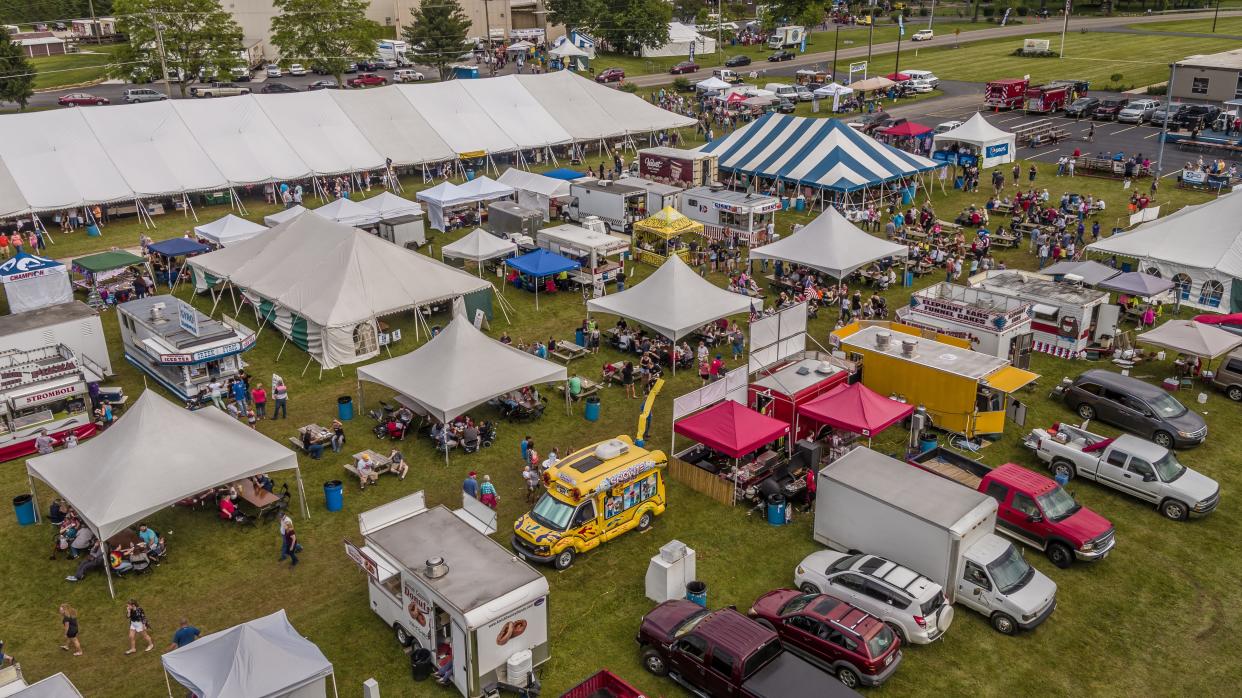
(43, 389)
(1046, 99)
(1008, 93)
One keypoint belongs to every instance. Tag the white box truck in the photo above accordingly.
(618, 205)
(786, 37)
(871, 503)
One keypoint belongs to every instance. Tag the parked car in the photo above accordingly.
(1169, 112)
(1110, 107)
(370, 64)
(272, 88)
(1083, 107)
(855, 645)
(319, 69)
(786, 106)
(273, 71)
(1135, 406)
(240, 73)
(1197, 116)
(610, 75)
(684, 67)
(389, 63)
(1138, 111)
(727, 75)
(1228, 375)
(323, 85)
(804, 93)
(79, 99)
(946, 126)
(919, 86)
(782, 55)
(737, 61)
(407, 75)
(927, 75)
(922, 35)
(367, 80)
(296, 69)
(1128, 464)
(724, 653)
(218, 89)
(912, 605)
(143, 94)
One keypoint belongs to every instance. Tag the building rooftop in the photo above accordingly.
(1231, 60)
(928, 352)
(1039, 288)
(168, 327)
(737, 198)
(44, 317)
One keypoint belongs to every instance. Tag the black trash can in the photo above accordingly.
(421, 666)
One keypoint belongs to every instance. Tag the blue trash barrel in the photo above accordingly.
(799, 203)
(784, 203)
(926, 445)
(23, 506)
(345, 408)
(333, 495)
(697, 592)
(580, 337)
(909, 281)
(776, 510)
(592, 409)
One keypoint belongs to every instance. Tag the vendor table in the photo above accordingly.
(124, 539)
(257, 497)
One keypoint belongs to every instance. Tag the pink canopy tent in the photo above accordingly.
(906, 128)
(856, 408)
(1232, 320)
(731, 428)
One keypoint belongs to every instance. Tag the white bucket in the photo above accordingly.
(518, 667)
(1160, 356)
(1202, 398)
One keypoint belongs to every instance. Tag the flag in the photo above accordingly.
(692, 51)
(901, 25)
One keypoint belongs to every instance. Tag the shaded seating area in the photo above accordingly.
(537, 271)
(665, 234)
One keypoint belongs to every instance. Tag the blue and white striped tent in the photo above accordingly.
(818, 153)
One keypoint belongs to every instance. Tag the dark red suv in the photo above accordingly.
(367, 80)
(610, 75)
(855, 645)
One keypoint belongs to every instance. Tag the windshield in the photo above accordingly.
(1057, 504)
(1010, 571)
(880, 642)
(1168, 469)
(797, 603)
(1166, 405)
(552, 512)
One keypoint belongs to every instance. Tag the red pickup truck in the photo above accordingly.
(603, 684)
(1031, 508)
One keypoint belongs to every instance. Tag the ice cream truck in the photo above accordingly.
(42, 390)
(442, 585)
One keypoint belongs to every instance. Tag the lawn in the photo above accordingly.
(73, 68)
(1180, 578)
(1224, 25)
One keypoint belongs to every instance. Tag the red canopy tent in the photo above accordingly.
(908, 128)
(731, 428)
(897, 77)
(1234, 319)
(856, 408)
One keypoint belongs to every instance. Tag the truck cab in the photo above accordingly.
(999, 583)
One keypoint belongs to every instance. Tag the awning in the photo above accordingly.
(731, 428)
(856, 408)
(1010, 378)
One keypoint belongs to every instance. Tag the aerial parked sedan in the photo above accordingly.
(737, 61)
(323, 85)
(610, 75)
(684, 67)
(781, 55)
(277, 88)
(78, 99)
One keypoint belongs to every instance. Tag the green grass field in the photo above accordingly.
(1224, 25)
(73, 68)
(1179, 578)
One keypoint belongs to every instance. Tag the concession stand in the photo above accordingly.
(677, 166)
(736, 449)
(1066, 317)
(589, 248)
(42, 389)
(664, 235)
(725, 213)
(110, 273)
(993, 323)
(786, 386)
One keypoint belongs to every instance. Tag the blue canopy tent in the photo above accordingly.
(172, 249)
(540, 264)
(823, 154)
(564, 173)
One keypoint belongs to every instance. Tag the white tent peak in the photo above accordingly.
(830, 244)
(976, 128)
(388, 205)
(673, 301)
(478, 246)
(348, 211)
(229, 230)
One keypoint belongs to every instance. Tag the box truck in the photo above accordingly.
(786, 37)
(871, 503)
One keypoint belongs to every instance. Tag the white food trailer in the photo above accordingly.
(618, 205)
(994, 324)
(658, 195)
(725, 213)
(438, 581)
(590, 248)
(1065, 316)
(404, 230)
(73, 324)
(42, 389)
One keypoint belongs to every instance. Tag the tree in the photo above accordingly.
(199, 38)
(327, 34)
(804, 12)
(624, 24)
(17, 75)
(438, 35)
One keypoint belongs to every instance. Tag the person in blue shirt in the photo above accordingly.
(471, 485)
(185, 635)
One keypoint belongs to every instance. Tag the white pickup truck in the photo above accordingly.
(1127, 463)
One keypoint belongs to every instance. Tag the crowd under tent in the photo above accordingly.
(535, 191)
(106, 270)
(32, 282)
(263, 658)
(1198, 248)
(285, 215)
(156, 454)
(478, 246)
(975, 142)
(539, 264)
(228, 230)
(824, 155)
(674, 301)
(832, 245)
(834, 90)
(858, 409)
(571, 57)
(348, 212)
(54, 686)
(1193, 338)
(325, 285)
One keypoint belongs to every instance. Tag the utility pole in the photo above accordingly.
(932, 16)
(836, 44)
(870, 33)
(897, 61)
(1215, 16)
(159, 46)
(1065, 25)
(720, 46)
(1164, 128)
(487, 38)
(99, 39)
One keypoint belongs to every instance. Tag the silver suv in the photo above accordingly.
(911, 604)
(1138, 111)
(143, 94)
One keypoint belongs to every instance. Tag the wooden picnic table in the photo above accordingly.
(1003, 240)
(568, 351)
(589, 387)
(380, 464)
(124, 539)
(257, 497)
(948, 226)
(319, 435)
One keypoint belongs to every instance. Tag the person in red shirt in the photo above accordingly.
(259, 397)
(4, 245)
(716, 368)
(810, 488)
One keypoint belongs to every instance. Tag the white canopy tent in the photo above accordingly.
(154, 455)
(478, 246)
(262, 658)
(680, 38)
(348, 212)
(830, 244)
(673, 301)
(571, 56)
(535, 190)
(54, 686)
(712, 83)
(284, 216)
(387, 206)
(441, 196)
(484, 188)
(32, 282)
(228, 230)
(1194, 338)
(834, 90)
(323, 284)
(993, 146)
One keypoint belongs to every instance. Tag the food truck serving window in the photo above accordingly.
(623, 498)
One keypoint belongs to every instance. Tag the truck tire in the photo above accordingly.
(1060, 554)
(403, 638)
(644, 521)
(1175, 510)
(1163, 438)
(1003, 624)
(848, 676)
(808, 588)
(653, 661)
(1235, 393)
(565, 559)
(1061, 466)
(1085, 411)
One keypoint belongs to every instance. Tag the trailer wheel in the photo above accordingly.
(1004, 624)
(564, 559)
(403, 638)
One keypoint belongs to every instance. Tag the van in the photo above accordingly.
(1229, 376)
(590, 497)
(925, 75)
(786, 91)
(1137, 407)
(727, 75)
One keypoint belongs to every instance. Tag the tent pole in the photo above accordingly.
(236, 305)
(308, 363)
(334, 693)
(302, 492)
(215, 297)
(282, 347)
(190, 207)
(167, 683)
(107, 550)
(34, 497)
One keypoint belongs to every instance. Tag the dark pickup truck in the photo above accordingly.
(722, 653)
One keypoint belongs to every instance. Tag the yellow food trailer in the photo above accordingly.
(965, 392)
(663, 235)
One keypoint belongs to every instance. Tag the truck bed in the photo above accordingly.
(790, 676)
(604, 684)
(948, 464)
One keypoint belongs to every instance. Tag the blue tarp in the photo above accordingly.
(564, 173)
(178, 247)
(542, 263)
(25, 263)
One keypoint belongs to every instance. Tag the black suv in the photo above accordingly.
(1197, 116)
(1083, 108)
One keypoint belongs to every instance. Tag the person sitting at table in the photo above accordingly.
(93, 561)
(397, 464)
(366, 471)
(81, 541)
(609, 374)
(394, 428)
(262, 482)
(227, 509)
(405, 416)
(57, 511)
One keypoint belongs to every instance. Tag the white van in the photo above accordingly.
(727, 75)
(925, 75)
(787, 91)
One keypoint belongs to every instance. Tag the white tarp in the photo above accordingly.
(54, 686)
(228, 230)
(387, 205)
(57, 162)
(830, 244)
(673, 301)
(153, 149)
(391, 124)
(348, 212)
(458, 369)
(581, 115)
(478, 246)
(517, 112)
(321, 134)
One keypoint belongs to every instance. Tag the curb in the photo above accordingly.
(74, 86)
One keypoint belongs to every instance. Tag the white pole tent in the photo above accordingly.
(263, 658)
(228, 230)
(284, 215)
(441, 196)
(32, 282)
(831, 244)
(154, 455)
(535, 190)
(992, 145)
(324, 285)
(348, 212)
(479, 246)
(54, 686)
(388, 205)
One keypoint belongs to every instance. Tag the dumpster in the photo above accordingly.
(591, 412)
(345, 408)
(333, 495)
(23, 506)
(697, 592)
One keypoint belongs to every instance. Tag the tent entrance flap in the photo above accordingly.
(1010, 378)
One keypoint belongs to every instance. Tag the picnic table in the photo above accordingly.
(914, 233)
(780, 284)
(380, 464)
(948, 226)
(616, 376)
(125, 539)
(257, 497)
(1004, 240)
(568, 351)
(318, 434)
(589, 387)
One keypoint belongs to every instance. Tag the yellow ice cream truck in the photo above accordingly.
(593, 495)
(965, 392)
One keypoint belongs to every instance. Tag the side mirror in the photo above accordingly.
(1034, 518)
(1149, 477)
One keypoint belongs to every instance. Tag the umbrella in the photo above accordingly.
(1194, 338)
(1137, 283)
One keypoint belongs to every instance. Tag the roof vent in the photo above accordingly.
(435, 568)
(907, 347)
(1072, 278)
(611, 449)
(883, 340)
(157, 311)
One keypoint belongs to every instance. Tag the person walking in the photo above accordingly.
(184, 635)
(280, 393)
(137, 626)
(292, 545)
(531, 477)
(259, 397)
(487, 492)
(69, 621)
(1017, 174)
(286, 523)
(470, 485)
(338, 436)
(627, 379)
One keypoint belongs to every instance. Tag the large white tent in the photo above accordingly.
(673, 301)
(323, 284)
(154, 455)
(348, 212)
(54, 686)
(228, 230)
(534, 190)
(830, 244)
(485, 188)
(262, 658)
(990, 144)
(1198, 248)
(387, 205)
(478, 246)
(284, 215)
(458, 369)
(680, 38)
(127, 152)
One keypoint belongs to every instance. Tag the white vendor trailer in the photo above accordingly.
(73, 324)
(993, 323)
(1065, 316)
(618, 205)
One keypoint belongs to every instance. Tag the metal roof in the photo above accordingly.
(44, 317)
(1034, 287)
(737, 198)
(167, 325)
(923, 494)
(928, 352)
(788, 381)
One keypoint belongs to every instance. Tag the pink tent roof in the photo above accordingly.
(897, 77)
(731, 428)
(1212, 319)
(856, 408)
(908, 128)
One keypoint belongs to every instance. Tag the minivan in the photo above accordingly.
(923, 75)
(787, 91)
(1229, 376)
(143, 94)
(1137, 407)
